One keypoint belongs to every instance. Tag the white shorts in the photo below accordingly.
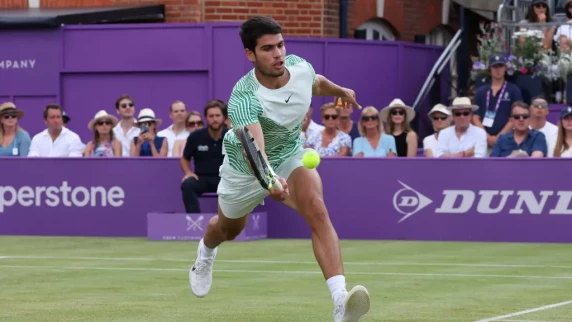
(239, 193)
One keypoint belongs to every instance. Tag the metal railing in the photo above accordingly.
(437, 69)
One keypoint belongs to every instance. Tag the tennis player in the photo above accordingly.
(271, 101)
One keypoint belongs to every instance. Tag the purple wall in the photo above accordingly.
(85, 68)
(417, 199)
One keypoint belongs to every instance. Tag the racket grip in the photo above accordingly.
(277, 185)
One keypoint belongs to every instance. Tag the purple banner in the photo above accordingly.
(504, 200)
(81, 68)
(166, 226)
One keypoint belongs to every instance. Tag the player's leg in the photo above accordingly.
(306, 197)
(238, 195)
(219, 230)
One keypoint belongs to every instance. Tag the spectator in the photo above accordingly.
(522, 141)
(330, 141)
(563, 35)
(194, 122)
(205, 147)
(462, 139)
(177, 130)
(15, 140)
(309, 127)
(495, 101)
(148, 144)
(66, 119)
(125, 131)
(538, 12)
(441, 118)
(56, 140)
(373, 142)
(104, 144)
(563, 148)
(346, 124)
(397, 116)
(538, 114)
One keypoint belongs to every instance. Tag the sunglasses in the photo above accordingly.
(520, 116)
(330, 116)
(397, 112)
(370, 118)
(106, 122)
(437, 118)
(540, 5)
(10, 116)
(195, 123)
(540, 105)
(462, 113)
(125, 105)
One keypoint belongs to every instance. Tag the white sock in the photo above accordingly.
(205, 252)
(337, 285)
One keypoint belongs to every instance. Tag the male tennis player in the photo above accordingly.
(271, 101)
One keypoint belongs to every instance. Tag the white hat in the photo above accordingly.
(463, 103)
(102, 115)
(409, 111)
(147, 115)
(439, 108)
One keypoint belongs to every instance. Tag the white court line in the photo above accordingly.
(254, 261)
(533, 321)
(540, 308)
(287, 272)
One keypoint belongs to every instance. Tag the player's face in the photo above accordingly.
(269, 55)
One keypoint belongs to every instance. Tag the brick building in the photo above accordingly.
(406, 20)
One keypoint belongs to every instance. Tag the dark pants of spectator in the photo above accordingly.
(192, 189)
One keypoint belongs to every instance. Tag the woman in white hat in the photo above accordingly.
(397, 116)
(148, 144)
(104, 143)
(441, 118)
(15, 141)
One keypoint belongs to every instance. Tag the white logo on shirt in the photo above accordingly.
(203, 148)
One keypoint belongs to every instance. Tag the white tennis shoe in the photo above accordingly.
(201, 274)
(352, 306)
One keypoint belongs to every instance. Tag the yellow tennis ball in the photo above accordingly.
(311, 159)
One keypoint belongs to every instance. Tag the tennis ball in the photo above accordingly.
(311, 159)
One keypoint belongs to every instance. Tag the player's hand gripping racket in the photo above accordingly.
(262, 170)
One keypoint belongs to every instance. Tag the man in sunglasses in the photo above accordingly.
(538, 113)
(124, 131)
(494, 101)
(521, 141)
(462, 140)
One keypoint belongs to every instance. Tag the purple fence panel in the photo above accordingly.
(85, 68)
(417, 199)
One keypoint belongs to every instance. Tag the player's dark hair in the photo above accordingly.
(256, 27)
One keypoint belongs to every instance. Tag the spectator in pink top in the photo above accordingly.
(194, 122)
(104, 143)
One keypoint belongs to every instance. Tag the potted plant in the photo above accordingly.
(490, 41)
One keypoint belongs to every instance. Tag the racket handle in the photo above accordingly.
(277, 185)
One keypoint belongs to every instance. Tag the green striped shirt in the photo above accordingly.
(280, 113)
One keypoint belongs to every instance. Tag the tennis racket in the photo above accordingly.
(262, 170)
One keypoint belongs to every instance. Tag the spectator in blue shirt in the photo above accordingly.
(521, 141)
(14, 141)
(495, 101)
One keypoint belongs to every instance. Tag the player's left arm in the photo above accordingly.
(324, 87)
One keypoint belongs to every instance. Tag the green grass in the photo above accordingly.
(132, 279)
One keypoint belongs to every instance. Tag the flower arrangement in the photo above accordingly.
(491, 41)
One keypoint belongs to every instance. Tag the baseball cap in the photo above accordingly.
(565, 112)
(539, 1)
(497, 60)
